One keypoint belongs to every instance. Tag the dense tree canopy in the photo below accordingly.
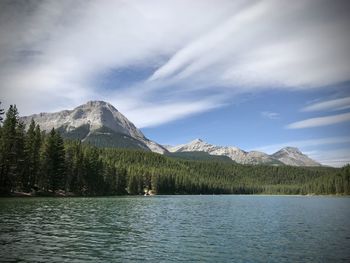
(1, 113)
(33, 161)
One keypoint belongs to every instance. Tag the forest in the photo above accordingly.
(43, 163)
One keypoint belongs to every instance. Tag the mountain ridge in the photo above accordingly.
(293, 156)
(101, 124)
(90, 118)
(285, 156)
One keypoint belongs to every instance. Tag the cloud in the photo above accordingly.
(54, 52)
(304, 143)
(329, 105)
(259, 47)
(320, 121)
(160, 114)
(270, 115)
(148, 115)
(336, 157)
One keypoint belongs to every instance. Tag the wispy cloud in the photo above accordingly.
(146, 115)
(231, 52)
(305, 143)
(53, 51)
(337, 156)
(270, 115)
(320, 121)
(329, 105)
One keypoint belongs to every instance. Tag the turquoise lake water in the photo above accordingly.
(220, 228)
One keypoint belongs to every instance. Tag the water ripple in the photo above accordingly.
(175, 229)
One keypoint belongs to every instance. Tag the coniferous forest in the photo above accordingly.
(34, 161)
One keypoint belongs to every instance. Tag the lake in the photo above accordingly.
(218, 228)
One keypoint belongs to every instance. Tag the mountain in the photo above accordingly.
(286, 156)
(98, 123)
(101, 124)
(293, 156)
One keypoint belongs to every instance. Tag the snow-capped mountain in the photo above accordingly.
(97, 122)
(289, 155)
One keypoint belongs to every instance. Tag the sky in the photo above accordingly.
(260, 75)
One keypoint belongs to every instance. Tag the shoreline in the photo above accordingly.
(69, 194)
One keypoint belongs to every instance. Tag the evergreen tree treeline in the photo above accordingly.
(1, 113)
(35, 161)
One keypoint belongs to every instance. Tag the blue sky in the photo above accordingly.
(259, 75)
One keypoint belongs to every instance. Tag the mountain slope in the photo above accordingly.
(101, 124)
(199, 156)
(289, 157)
(293, 156)
(234, 153)
(97, 122)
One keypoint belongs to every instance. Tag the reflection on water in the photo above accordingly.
(176, 229)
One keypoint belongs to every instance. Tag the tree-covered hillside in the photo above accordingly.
(199, 156)
(33, 161)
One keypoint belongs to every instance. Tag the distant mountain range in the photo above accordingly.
(101, 124)
(286, 156)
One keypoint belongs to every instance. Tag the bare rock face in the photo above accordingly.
(287, 156)
(97, 118)
(100, 123)
(293, 156)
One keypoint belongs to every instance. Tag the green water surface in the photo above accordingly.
(223, 228)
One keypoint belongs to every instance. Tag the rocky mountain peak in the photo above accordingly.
(290, 149)
(93, 116)
(293, 156)
(287, 155)
(97, 104)
(101, 123)
(197, 142)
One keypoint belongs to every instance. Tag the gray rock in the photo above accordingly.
(98, 118)
(289, 156)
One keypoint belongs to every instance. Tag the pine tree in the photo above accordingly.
(60, 163)
(1, 152)
(75, 168)
(133, 185)
(70, 173)
(9, 148)
(28, 149)
(21, 180)
(1, 113)
(93, 171)
(37, 145)
(121, 181)
(79, 185)
(53, 162)
(32, 154)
